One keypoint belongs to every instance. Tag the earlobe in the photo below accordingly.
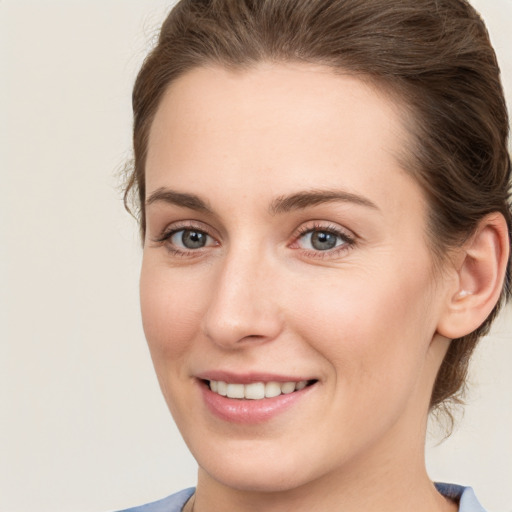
(480, 274)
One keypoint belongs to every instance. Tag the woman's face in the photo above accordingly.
(285, 244)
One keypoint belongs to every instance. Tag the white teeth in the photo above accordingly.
(256, 390)
(272, 389)
(288, 387)
(235, 391)
(222, 388)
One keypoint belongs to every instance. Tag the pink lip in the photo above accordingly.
(249, 411)
(247, 378)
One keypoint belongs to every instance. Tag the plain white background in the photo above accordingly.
(82, 424)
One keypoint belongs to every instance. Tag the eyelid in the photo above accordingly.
(176, 251)
(328, 226)
(349, 237)
(171, 239)
(174, 227)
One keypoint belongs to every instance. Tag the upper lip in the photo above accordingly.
(248, 378)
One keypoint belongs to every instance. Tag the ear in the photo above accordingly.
(480, 271)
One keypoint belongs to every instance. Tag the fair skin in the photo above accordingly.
(285, 243)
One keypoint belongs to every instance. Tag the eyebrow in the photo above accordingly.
(282, 204)
(181, 199)
(305, 199)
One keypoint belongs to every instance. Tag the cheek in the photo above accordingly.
(171, 311)
(374, 327)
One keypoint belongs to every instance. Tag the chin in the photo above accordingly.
(261, 480)
(260, 470)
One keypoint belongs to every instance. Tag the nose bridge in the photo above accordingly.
(243, 306)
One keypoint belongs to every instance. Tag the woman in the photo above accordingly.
(323, 195)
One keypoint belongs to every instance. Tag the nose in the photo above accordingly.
(243, 307)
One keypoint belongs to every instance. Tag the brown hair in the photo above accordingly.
(435, 54)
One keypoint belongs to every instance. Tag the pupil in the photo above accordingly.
(323, 241)
(193, 239)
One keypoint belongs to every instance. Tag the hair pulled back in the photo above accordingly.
(433, 56)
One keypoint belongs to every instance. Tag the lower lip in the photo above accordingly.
(250, 411)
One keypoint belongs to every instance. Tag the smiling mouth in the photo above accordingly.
(256, 390)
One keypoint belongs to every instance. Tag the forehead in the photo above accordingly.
(291, 125)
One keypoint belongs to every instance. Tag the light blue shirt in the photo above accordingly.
(465, 495)
(175, 502)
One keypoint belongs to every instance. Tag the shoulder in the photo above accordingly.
(173, 503)
(468, 502)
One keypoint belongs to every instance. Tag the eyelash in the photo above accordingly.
(348, 241)
(167, 234)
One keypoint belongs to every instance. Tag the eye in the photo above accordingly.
(323, 239)
(320, 240)
(190, 239)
